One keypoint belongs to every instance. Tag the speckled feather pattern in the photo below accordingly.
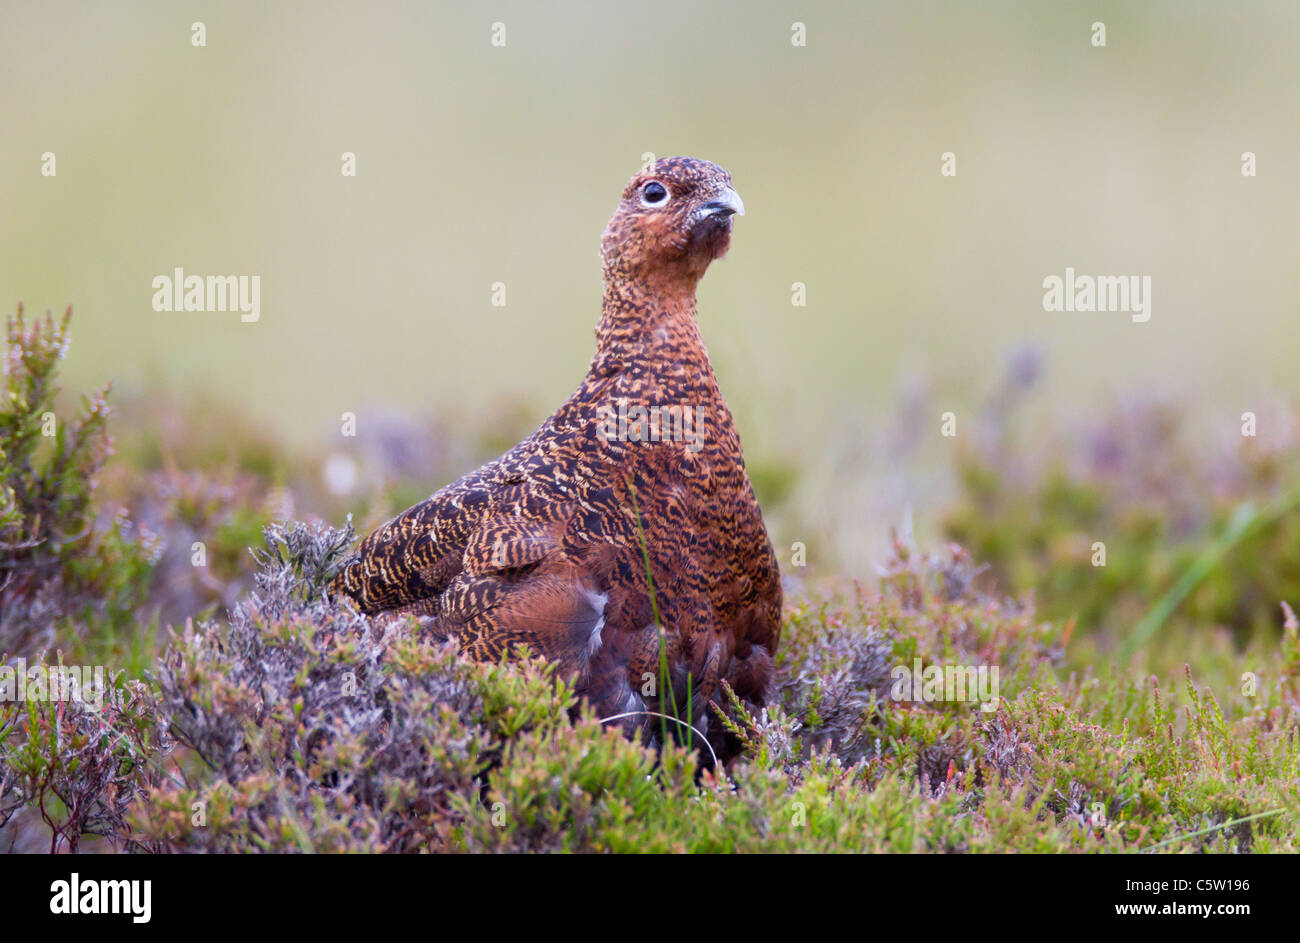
(541, 546)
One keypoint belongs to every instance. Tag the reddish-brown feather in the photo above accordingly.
(541, 546)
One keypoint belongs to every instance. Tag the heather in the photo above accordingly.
(1150, 703)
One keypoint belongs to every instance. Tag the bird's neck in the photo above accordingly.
(644, 320)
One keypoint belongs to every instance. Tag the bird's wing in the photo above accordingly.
(524, 583)
(415, 556)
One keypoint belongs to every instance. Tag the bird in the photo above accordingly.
(622, 539)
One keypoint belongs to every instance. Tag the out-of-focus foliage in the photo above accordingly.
(59, 567)
(1034, 508)
(278, 720)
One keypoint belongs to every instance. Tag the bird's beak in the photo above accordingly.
(726, 203)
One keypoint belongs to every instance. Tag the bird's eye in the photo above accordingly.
(654, 193)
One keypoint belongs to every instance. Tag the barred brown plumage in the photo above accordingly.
(541, 546)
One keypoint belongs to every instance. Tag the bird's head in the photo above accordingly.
(674, 219)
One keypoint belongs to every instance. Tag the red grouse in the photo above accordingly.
(544, 546)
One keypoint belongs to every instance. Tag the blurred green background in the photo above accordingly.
(479, 164)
